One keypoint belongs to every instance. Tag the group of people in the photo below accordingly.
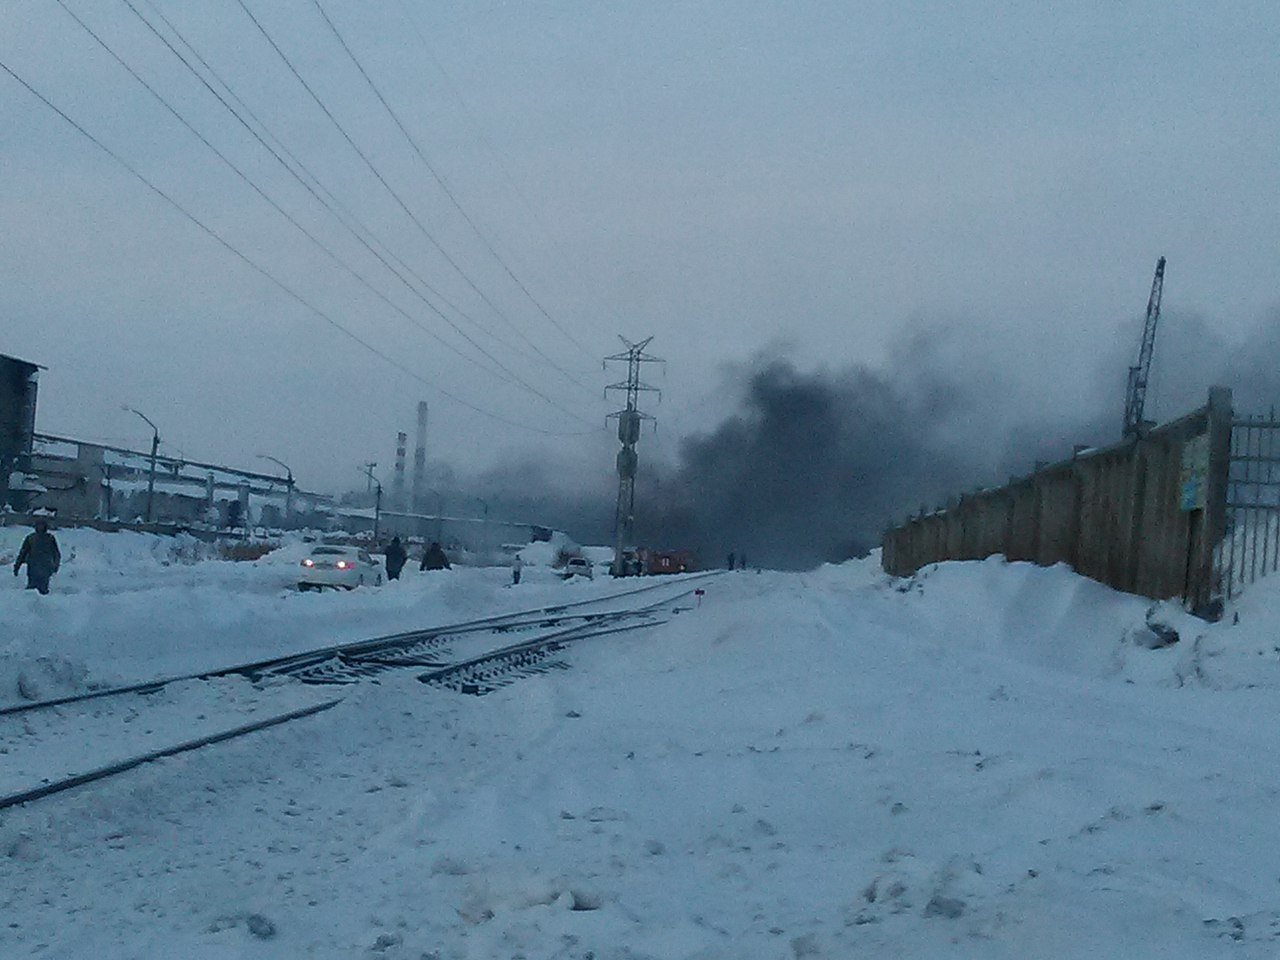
(433, 558)
(40, 554)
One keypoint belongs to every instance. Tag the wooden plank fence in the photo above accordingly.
(1147, 516)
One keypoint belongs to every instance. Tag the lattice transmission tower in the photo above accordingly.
(629, 420)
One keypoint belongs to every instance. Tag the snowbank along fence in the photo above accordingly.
(1147, 516)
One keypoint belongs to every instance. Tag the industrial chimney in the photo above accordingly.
(397, 480)
(420, 459)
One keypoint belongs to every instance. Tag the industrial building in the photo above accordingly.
(18, 381)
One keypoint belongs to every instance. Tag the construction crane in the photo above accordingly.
(1136, 396)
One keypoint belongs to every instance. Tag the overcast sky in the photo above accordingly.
(816, 179)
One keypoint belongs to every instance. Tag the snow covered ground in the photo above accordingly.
(991, 760)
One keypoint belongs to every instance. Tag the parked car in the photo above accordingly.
(578, 567)
(348, 567)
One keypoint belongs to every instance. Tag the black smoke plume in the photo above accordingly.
(811, 468)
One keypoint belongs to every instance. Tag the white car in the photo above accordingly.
(348, 567)
(578, 567)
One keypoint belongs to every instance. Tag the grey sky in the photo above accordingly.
(730, 177)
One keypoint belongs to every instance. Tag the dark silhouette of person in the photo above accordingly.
(40, 553)
(397, 555)
(433, 558)
(731, 560)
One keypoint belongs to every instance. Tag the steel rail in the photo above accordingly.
(518, 618)
(551, 642)
(101, 773)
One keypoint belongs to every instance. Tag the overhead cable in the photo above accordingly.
(510, 375)
(494, 152)
(380, 178)
(333, 204)
(254, 186)
(444, 185)
(263, 271)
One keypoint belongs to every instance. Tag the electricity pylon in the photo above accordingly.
(629, 420)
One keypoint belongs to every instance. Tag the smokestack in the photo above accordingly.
(397, 480)
(420, 458)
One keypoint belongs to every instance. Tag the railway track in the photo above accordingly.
(461, 657)
(386, 645)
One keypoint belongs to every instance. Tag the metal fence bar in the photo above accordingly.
(1265, 440)
(1229, 542)
(1251, 548)
(1275, 539)
(1251, 514)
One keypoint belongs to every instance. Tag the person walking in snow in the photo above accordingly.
(396, 557)
(40, 553)
(433, 558)
(516, 566)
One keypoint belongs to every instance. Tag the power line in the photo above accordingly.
(448, 191)
(253, 265)
(333, 204)
(245, 177)
(483, 138)
(373, 168)
(512, 375)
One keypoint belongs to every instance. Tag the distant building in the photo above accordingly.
(17, 430)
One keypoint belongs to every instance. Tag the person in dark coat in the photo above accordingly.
(40, 553)
(433, 558)
(396, 557)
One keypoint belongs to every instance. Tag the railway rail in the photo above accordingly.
(484, 669)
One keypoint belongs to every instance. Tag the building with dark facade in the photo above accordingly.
(17, 429)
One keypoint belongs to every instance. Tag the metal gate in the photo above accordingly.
(1251, 547)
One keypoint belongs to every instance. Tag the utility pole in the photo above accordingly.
(377, 503)
(629, 420)
(155, 445)
(367, 469)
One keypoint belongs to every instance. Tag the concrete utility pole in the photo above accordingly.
(155, 445)
(629, 419)
(367, 470)
(377, 503)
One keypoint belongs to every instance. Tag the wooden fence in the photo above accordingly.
(1146, 516)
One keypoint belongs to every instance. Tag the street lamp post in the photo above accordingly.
(288, 490)
(155, 445)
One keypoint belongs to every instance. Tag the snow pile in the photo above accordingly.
(550, 553)
(987, 761)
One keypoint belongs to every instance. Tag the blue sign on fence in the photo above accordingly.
(1194, 477)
